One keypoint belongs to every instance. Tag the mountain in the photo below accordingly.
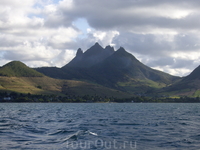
(124, 66)
(188, 86)
(18, 69)
(53, 72)
(194, 75)
(124, 71)
(17, 77)
(114, 69)
(92, 56)
(79, 66)
(98, 71)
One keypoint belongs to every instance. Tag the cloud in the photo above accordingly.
(158, 44)
(135, 14)
(162, 34)
(25, 36)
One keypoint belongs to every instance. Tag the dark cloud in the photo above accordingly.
(157, 45)
(114, 14)
(186, 42)
(163, 33)
(57, 20)
(161, 62)
(145, 44)
(183, 63)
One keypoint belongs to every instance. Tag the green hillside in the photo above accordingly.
(32, 85)
(188, 86)
(46, 85)
(18, 69)
(17, 77)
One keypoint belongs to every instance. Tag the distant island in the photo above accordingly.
(96, 75)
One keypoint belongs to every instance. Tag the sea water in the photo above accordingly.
(128, 126)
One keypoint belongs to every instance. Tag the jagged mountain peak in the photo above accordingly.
(109, 49)
(97, 44)
(95, 49)
(108, 46)
(115, 66)
(121, 52)
(121, 49)
(120, 59)
(92, 56)
(117, 69)
(79, 52)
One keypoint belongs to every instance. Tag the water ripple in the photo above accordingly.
(99, 126)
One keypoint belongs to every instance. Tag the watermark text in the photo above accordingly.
(100, 143)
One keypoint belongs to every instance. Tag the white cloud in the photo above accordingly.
(163, 34)
(30, 51)
(66, 4)
(104, 37)
(63, 58)
(61, 37)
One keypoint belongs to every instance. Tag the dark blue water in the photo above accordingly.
(99, 126)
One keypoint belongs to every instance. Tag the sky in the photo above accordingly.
(162, 34)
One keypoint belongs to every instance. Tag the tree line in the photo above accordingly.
(23, 98)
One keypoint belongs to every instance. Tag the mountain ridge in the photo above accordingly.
(117, 72)
(111, 68)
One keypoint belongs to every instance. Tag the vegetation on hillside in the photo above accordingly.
(18, 69)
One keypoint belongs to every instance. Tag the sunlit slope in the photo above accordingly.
(188, 86)
(18, 69)
(33, 85)
(17, 77)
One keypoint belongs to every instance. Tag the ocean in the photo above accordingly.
(101, 126)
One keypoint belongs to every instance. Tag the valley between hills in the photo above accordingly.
(98, 73)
